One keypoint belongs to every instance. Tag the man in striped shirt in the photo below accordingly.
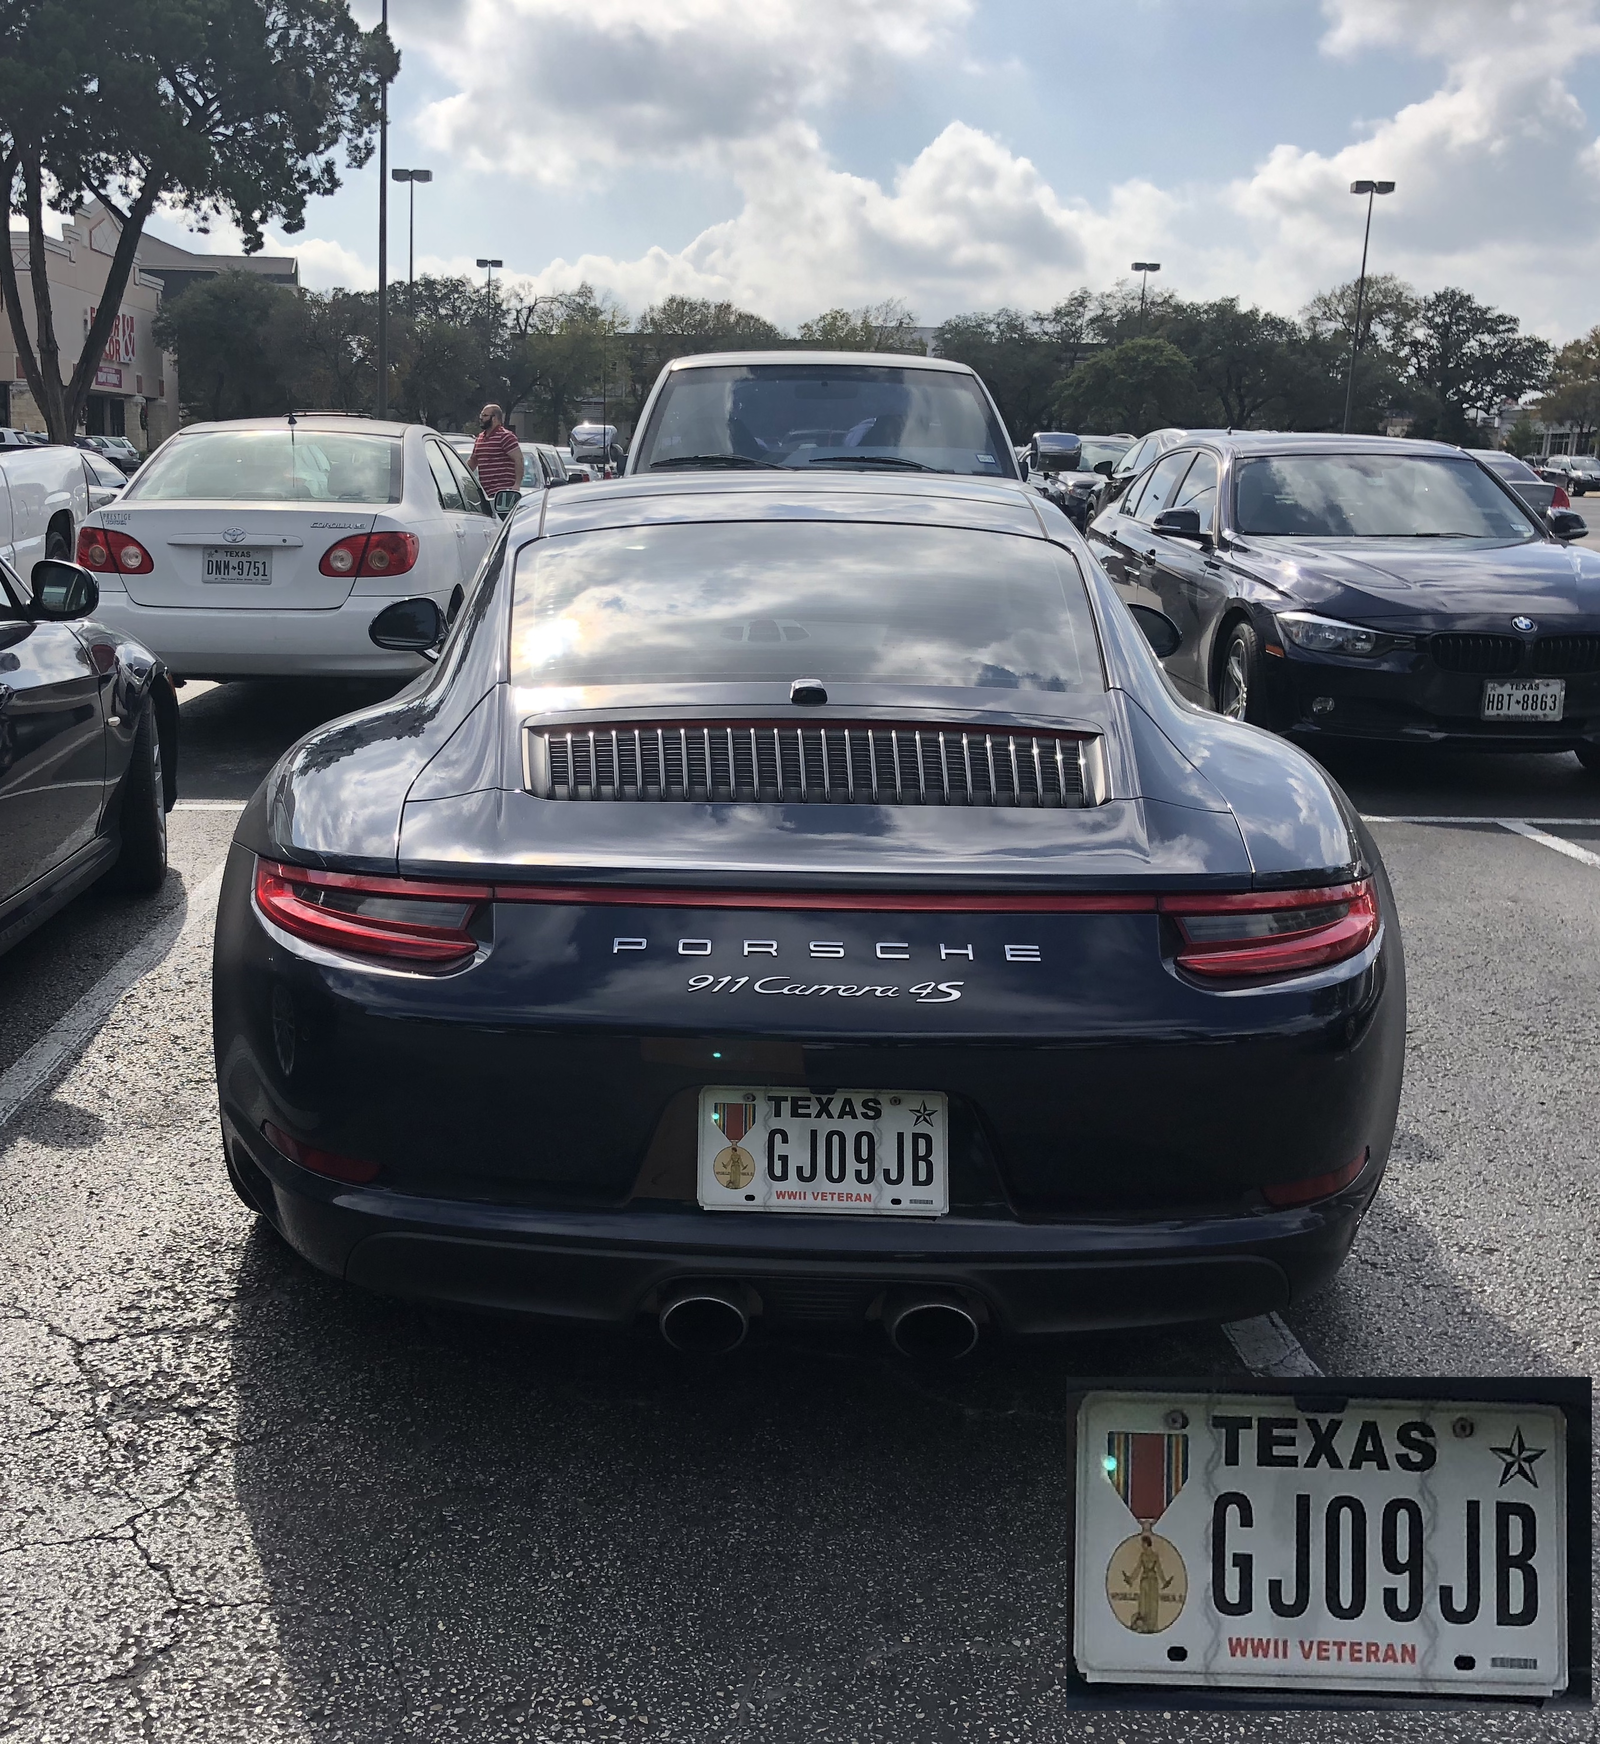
(496, 454)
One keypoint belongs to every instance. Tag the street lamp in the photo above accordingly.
(1369, 189)
(1144, 268)
(383, 235)
(488, 286)
(413, 177)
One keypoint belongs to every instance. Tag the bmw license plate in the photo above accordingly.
(881, 1153)
(1408, 1548)
(228, 563)
(1524, 699)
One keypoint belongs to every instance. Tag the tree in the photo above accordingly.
(1522, 437)
(1389, 309)
(885, 326)
(227, 108)
(684, 327)
(1573, 396)
(1465, 358)
(1246, 363)
(231, 359)
(1021, 358)
(1140, 385)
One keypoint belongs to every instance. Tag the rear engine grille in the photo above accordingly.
(1566, 655)
(843, 765)
(1480, 654)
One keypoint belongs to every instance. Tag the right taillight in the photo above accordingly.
(371, 554)
(1259, 934)
(1560, 500)
(406, 920)
(101, 549)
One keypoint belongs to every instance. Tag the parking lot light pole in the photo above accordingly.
(1144, 268)
(488, 285)
(1370, 189)
(383, 236)
(413, 177)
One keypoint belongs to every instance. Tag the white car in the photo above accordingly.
(265, 547)
(44, 499)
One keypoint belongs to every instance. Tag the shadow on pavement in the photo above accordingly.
(480, 1529)
(1426, 781)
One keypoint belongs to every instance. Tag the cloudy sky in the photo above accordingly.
(799, 154)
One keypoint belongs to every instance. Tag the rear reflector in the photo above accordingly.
(329, 1163)
(1283, 1193)
(403, 920)
(1263, 933)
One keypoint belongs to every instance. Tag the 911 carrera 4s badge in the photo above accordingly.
(1146, 1581)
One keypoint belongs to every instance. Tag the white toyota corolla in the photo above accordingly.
(265, 547)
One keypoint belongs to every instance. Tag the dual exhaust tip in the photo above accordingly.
(713, 1319)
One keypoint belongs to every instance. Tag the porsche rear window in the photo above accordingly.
(773, 601)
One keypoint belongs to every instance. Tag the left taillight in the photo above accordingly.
(102, 550)
(401, 920)
(1260, 934)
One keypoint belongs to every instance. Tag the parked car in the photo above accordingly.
(105, 481)
(542, 466)
(44, 500)
(800, 896)
(1137, 458)
(844, 411)
(1053, 465)
(88, 749)
(577, 471)
(1361, 587)
(1539, 494)
(122, 454)
(262, 548)
(1576, 472)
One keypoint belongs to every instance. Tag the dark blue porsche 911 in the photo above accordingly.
(806, 900)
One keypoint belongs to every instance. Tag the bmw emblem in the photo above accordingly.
(234, 534)
(1526, 625)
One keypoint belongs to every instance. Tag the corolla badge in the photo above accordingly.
(233, 534)
(1526, 625)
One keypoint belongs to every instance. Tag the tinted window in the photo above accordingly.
(1199, 491)
(1373, 496)
(1162, 485)
(1508, 466)
(273, 466)
(814, 414)
(1102, 451)
(1136, 457)
(471, 491)
(774, 601)
(444, 479)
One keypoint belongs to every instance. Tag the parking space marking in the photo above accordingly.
(1266, 1346)
(1565, 823)
(67, 1037)
(210, 805)
(1571, 849)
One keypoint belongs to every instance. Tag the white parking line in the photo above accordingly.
(1518, 827)
(1567, 823)
(1266, 1346)
(66, 1038)
(210, 805)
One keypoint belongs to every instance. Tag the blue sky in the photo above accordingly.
(801, 154)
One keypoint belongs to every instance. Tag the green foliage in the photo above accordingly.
(685, 327)
(885, 326)
(228, 334)
(230, 108)
(1139, 385)
(1573, 394)
(1465, 358)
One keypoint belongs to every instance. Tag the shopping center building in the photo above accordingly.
(135, 389)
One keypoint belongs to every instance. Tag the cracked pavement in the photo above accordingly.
(239, 1501)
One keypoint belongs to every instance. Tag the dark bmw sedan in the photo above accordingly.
(1358, 587)
(804, 901)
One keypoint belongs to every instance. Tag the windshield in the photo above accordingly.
(772, 601)
(273, 466)
(867, 416)
(1373, 496)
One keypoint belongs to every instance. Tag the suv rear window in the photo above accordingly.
(273, 466)
(866, 416)
(771, 601)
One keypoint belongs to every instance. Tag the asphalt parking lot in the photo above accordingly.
(238, 1501)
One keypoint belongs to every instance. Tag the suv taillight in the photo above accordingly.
(405, 920)
(1259, 934)
(1560, 500)
(371, 554)
(101, 549)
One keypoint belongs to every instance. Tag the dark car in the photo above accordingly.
(1539, 494)
(88, 750)
(1054, 465)
(1574, 472)
(1363, 587)
(805, 898)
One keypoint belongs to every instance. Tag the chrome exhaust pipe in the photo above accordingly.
(934, 1327)
(703, 1319)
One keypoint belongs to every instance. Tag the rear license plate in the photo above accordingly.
(226, 563)
(1524, 699)
(881, 1153)
(1237, 1541)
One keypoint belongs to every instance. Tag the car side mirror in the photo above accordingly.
(1104, 468)
(1177, 523)
(505, 501)
(409, 626)
(1566, 524)
(62, 591)
(1160, 632)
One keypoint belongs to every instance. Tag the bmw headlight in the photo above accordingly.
(1330, 636)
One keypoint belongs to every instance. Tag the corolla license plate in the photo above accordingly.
(228, 563)
(1524, 699)
(878, 1153)
(1380, 1545)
